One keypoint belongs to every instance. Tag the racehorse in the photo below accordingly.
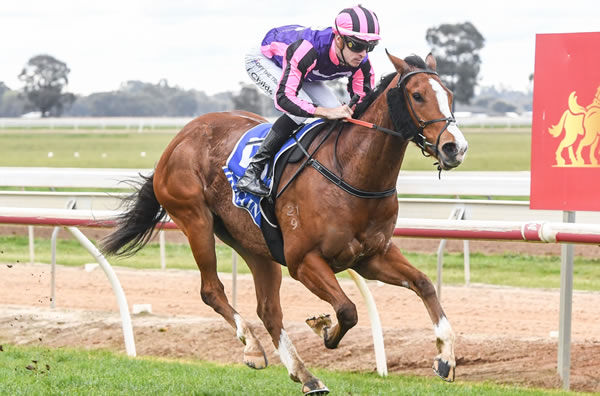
(325, 229)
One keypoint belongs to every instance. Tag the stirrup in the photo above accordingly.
(255, 189)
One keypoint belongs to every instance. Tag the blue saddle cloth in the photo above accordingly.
(240, 157)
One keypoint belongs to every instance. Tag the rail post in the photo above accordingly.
(116, 286)
(53, 267)
(31, 244)
(376, 329)
(566, 307)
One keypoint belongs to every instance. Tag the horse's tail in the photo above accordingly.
(575, 107)
(136, 225)
(556, 130)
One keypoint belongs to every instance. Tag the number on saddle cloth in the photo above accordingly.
(259, 208)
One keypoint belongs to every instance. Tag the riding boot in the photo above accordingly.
(277, 136)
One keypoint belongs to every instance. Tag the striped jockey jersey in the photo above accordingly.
(305, 54)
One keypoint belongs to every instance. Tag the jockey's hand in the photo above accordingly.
(334, 113)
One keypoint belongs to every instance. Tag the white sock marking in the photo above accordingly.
(443, 330)
(239, 327)
(287, 352)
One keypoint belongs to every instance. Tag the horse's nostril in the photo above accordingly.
(450, 149)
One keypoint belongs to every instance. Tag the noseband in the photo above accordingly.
(418, 136)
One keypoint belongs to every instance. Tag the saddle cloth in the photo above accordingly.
(261, 210)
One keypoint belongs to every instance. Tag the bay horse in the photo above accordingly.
(325, 229)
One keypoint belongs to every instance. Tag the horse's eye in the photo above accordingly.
(417, 96)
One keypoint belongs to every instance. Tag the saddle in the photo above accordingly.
(262, 209)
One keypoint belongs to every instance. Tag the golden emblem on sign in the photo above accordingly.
(579, 121)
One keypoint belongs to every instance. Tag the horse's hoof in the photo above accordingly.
(314, 387)
(256, 360)
(319, 324)
(443, 369)
(318, 392)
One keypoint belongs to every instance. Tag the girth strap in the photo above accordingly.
(345, 186)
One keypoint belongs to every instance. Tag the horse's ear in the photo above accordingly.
(401, 66)
(431, 62)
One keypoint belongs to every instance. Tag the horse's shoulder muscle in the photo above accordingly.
(248, 115)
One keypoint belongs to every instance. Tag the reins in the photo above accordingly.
(418, 138)
(329, 175)
(309, 156)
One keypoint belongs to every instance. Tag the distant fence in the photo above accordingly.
(150, 123)
(482, 120)
(130, 123)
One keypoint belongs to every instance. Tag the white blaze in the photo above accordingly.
(442, 98)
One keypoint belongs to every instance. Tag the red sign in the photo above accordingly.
(565, 149)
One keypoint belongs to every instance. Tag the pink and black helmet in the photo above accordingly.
(357, 22)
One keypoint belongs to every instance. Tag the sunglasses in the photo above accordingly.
(356, 45)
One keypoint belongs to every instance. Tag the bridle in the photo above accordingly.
(417, 137)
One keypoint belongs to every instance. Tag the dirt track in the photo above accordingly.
(503, 334)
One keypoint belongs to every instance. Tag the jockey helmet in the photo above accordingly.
(357, 22)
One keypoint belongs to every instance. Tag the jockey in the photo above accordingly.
(291, 66)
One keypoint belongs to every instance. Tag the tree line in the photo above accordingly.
(45, 78)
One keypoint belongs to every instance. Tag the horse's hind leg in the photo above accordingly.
(394, 268)
(198, 227)
(267, 282)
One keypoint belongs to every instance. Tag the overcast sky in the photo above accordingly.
(201, 44)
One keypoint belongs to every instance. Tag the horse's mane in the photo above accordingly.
(372, 95)
(413, 60)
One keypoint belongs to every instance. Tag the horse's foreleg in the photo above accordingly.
(319, 278)
(394, 268)
(587, 141)
(267, 282)
(198, 229)
(573, 157)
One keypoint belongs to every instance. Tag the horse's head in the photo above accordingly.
(419, 106)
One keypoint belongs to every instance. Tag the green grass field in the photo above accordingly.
(96, 150)
(496, 150)
(42, 371)
(507, 269)
(489, 150)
